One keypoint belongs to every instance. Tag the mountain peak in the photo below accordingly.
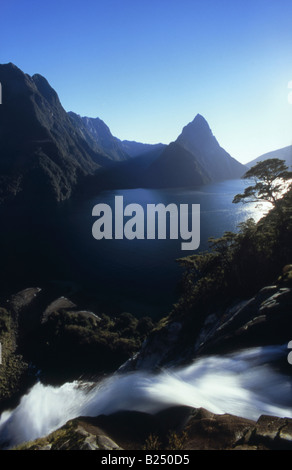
(197, 134)
(198, 124)
(199, 118)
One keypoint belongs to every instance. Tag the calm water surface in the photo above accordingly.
(140, 276)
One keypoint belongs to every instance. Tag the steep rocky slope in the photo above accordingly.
(42, 154)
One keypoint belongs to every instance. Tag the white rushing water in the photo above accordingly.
(244, 384)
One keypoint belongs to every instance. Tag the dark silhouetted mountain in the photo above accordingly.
(129, 174)
(198, 139)
(135, 149)
(283, 154)
(42, 154)
(175, 167)
(46, 153)
(195, 158)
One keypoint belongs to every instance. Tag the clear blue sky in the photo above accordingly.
(147, 67)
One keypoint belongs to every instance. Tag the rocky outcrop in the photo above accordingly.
(155, 351)
(23, 299)
(207, 431)
(264, 319)
(73, 436)
(169, 430)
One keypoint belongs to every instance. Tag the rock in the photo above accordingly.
(62, 303)
(58, 304)
(104, 442)
(286, 276)
(273, 432)
(188, 429)
(155, 350)
(207, 431)
(23, 299)
(73, 436)
(262, 320)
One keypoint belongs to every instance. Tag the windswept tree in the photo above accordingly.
(271, 179)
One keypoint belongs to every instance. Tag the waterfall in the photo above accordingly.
(244, 384)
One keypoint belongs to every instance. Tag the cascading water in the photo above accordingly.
(244, 384)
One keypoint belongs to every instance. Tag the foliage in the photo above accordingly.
(71, 343)
(13, 366)
(152, 443)
(270, 179)
(177, 441)
(236, 266)
(173, 441)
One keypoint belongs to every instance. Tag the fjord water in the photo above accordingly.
(244, 384)
(139, 276)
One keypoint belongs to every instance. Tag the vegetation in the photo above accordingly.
(13, 366)
(173, 441)
(237, 265)
(271, 178)
(70, 344)
(66, 436)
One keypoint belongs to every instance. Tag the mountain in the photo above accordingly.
(175, 167)
(42, 153)
(195, 158)
(47, 153)
(128, 174)
(198, 139)
(135, 149)
(284, 153)
(99, 137)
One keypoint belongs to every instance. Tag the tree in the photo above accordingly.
(271, 179)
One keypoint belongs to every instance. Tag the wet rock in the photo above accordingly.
(191, 429)
(155, 349)
(273, 432)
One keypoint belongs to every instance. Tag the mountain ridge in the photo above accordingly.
(41, 154)
(284, 153)
(47, 153)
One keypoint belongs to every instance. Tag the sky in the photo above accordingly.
(148, 67)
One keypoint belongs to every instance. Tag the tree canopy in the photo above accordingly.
(271, 179)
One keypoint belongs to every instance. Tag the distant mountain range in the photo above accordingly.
(284, 153)
(48, 154)
(194, 159)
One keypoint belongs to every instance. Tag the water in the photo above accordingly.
(244, 384)
(140, 276)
